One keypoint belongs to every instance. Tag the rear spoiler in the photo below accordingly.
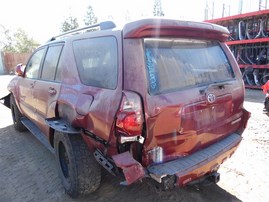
(174, 28)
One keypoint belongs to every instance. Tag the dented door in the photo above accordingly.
(91, 102)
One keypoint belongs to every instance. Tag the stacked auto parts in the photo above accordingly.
(249, 42)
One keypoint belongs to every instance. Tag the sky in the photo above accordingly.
(42, 19)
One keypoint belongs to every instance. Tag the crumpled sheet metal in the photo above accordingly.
(131, 168)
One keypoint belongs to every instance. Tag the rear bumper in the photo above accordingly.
(198, 164)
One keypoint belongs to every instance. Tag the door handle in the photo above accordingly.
(52, 91)
(32, 85)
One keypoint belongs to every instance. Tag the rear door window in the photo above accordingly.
(51, 62)
(174, 64)
(96, 59)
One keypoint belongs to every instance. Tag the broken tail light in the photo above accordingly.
(130, 115)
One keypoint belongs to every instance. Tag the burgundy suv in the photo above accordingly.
(158, 98)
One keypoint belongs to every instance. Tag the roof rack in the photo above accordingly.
(102, 25)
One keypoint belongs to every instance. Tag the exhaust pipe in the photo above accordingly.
(207, 179)
(214, 177)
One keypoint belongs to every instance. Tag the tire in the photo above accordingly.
(79, 172)
(16, 115)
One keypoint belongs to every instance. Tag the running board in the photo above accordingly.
(37, 133)
(105, 163)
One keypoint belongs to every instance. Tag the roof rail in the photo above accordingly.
(102, 25)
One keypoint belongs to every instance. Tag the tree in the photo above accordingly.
(90, 18)
(6, 40)
(157, 8)
(24, 44)
(17, 42)
(69, 24)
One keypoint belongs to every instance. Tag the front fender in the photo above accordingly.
(7, 85)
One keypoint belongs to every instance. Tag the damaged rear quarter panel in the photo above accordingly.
(132, 169)
(87, 107)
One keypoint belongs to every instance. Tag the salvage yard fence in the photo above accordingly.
(8, 61)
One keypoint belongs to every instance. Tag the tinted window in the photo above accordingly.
(96, 60)
(59, 73)
(32, 69)
(51, 62)
(174, 64)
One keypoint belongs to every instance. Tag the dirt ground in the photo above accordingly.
(28, 171)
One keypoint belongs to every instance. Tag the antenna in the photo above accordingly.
(240, 7)
(207, 10)
(262, 6)
(224, 12)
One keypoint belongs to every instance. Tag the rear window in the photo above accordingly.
(96, 59)
(174, 64)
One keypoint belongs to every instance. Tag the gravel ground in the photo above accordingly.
(28, 171)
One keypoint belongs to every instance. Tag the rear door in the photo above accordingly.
(194, 98)
(99, 65)
(47, 88)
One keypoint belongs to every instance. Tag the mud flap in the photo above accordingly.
(131, 168)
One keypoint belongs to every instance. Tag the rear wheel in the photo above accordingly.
(79, 172)
(16, 115)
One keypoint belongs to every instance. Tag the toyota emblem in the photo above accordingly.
(211, 97)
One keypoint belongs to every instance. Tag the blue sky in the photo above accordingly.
(42, 19)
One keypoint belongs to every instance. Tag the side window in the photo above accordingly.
(32, 68)
(58, 76)
(97, 61)
(51, 62)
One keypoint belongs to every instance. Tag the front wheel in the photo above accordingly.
(16, 115)
(79, 172)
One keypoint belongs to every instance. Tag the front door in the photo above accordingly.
(47, 88)
(28, 83)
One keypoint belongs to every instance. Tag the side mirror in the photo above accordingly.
(20, 70)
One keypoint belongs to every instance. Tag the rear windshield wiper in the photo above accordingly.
(220, 85)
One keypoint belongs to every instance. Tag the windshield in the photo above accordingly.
(174, 64)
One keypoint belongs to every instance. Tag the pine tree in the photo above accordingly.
(157, 8)
(69, 24)
(90, 17)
